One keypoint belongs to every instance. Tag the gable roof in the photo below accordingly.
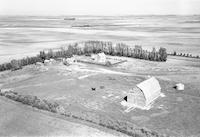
(101, 54)
(151, 89)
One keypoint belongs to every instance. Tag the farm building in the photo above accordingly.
(144, 93)
(46, 62)
(100, 58)
(180, 86)
(71, 60)
(93, 56)
(49, 62)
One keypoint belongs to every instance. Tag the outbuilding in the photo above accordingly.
(144, 93)
(180, 86)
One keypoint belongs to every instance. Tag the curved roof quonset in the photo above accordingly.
(151, 89)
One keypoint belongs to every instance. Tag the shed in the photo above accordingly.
(144, 93)
(93, 56)
(52, 61)
(180, 86)
(71, 60)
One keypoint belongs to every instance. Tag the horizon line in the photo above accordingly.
(100, 15)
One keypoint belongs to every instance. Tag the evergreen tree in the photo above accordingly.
(163, 54)
(15, 65)
(174, 53)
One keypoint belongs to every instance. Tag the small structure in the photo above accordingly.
(49, 62)
(180, 86)
(52, 61)
(71, 60)
(93, 56)
(65, 62)
(144, 93)
(6, 90)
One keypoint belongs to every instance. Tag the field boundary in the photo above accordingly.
(102, 64)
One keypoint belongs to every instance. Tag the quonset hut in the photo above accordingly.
(144, 93)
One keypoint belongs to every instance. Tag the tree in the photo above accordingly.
(42, 55)
(119, 50)
(110, 49)
(163, 54)
(70, 51)
(174, 53)
(15, 64)
(50, 54)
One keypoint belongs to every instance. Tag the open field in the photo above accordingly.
(176, 113)
(24, 35)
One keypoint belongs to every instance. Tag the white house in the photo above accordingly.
(144, 93)
(46, 62)
(100, 58)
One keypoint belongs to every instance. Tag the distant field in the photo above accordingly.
(25, 35)
(176, 114)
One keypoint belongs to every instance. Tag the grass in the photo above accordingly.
(102, 120)
(80, 102)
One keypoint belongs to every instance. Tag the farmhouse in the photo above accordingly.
(144, 93)
(100, 58)
(46, 62)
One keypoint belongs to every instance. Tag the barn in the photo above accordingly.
(144, 93)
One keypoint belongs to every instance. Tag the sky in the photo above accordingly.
(98, 7)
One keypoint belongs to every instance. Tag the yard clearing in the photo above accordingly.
(175, 114)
